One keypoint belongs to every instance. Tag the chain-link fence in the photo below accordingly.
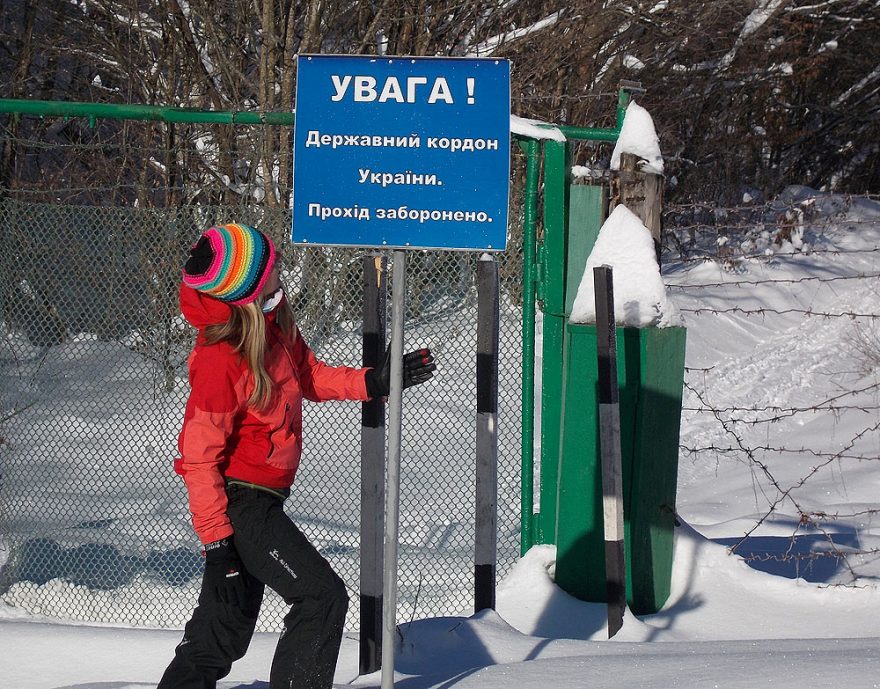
(94, 227)
(94, 384)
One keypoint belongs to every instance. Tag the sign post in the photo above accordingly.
(392, 504)
(400, 153)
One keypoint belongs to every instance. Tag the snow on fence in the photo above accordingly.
(783, 377)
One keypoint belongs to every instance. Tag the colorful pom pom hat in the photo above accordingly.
(230, 263)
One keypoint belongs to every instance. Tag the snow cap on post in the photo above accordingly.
(625, 244)
(638, 136)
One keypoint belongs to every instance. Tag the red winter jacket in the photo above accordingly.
(225, 438)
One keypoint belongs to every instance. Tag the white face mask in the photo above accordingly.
(272, 300)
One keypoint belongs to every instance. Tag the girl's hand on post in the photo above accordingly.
(418, 367)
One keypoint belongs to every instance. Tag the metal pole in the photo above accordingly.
(161, 113)
(588, 133)
(485, 541)
(530, 214)
(372, 472)
(623, 99)
(609, 445)
(164, 113)
(392, 503)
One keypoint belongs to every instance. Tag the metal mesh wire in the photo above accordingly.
(94, 522)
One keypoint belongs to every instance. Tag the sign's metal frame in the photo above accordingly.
(438, 174)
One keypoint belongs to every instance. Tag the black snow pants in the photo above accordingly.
(276, 554)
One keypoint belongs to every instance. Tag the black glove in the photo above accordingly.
(418, 366)
(223, 573)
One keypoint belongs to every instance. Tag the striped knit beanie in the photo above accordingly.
(230, 263)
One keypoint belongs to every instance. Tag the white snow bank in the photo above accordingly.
(529, 600)
(724, 625)
(715, 596)
(774, 664)
(534, 129)
(450, 653)
(626, 245)
(638, 136)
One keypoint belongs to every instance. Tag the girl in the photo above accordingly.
(239, 451)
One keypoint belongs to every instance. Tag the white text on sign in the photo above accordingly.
(365, 89)
(454, 144)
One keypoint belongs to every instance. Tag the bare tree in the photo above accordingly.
(754, 94)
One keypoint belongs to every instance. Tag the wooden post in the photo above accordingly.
(487, 434)
(372, 471)
(641, 192)
(609, 448)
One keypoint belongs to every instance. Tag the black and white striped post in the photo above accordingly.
(372, 471)
(487, 433)
(609, 444)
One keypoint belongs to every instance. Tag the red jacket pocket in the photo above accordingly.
(285, 439)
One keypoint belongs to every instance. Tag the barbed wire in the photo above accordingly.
(782, 494)
(753, 454)
(754, 283)
(757, 217)
(695, 243)
(821, 514)
(706, 255)
(779, 312)
(847, 393)
(781, 413)
(732, 449)
(718, 208)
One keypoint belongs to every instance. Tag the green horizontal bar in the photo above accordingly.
(578, 133)
(161, 113)
(589, 133)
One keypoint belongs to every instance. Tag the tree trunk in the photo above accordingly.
(311, 42)
(7, 162)
(285, 136)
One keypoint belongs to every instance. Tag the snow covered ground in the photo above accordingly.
(726, 626)
(780, 444)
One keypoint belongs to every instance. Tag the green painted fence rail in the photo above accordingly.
(157, 113)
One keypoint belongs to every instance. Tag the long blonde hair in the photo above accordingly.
(245, 330)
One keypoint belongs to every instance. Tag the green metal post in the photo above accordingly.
(528, 326)
(586, 133)
(650, 369)
(587, 209)
(557, 180)
(623, 99)
(652, 473)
